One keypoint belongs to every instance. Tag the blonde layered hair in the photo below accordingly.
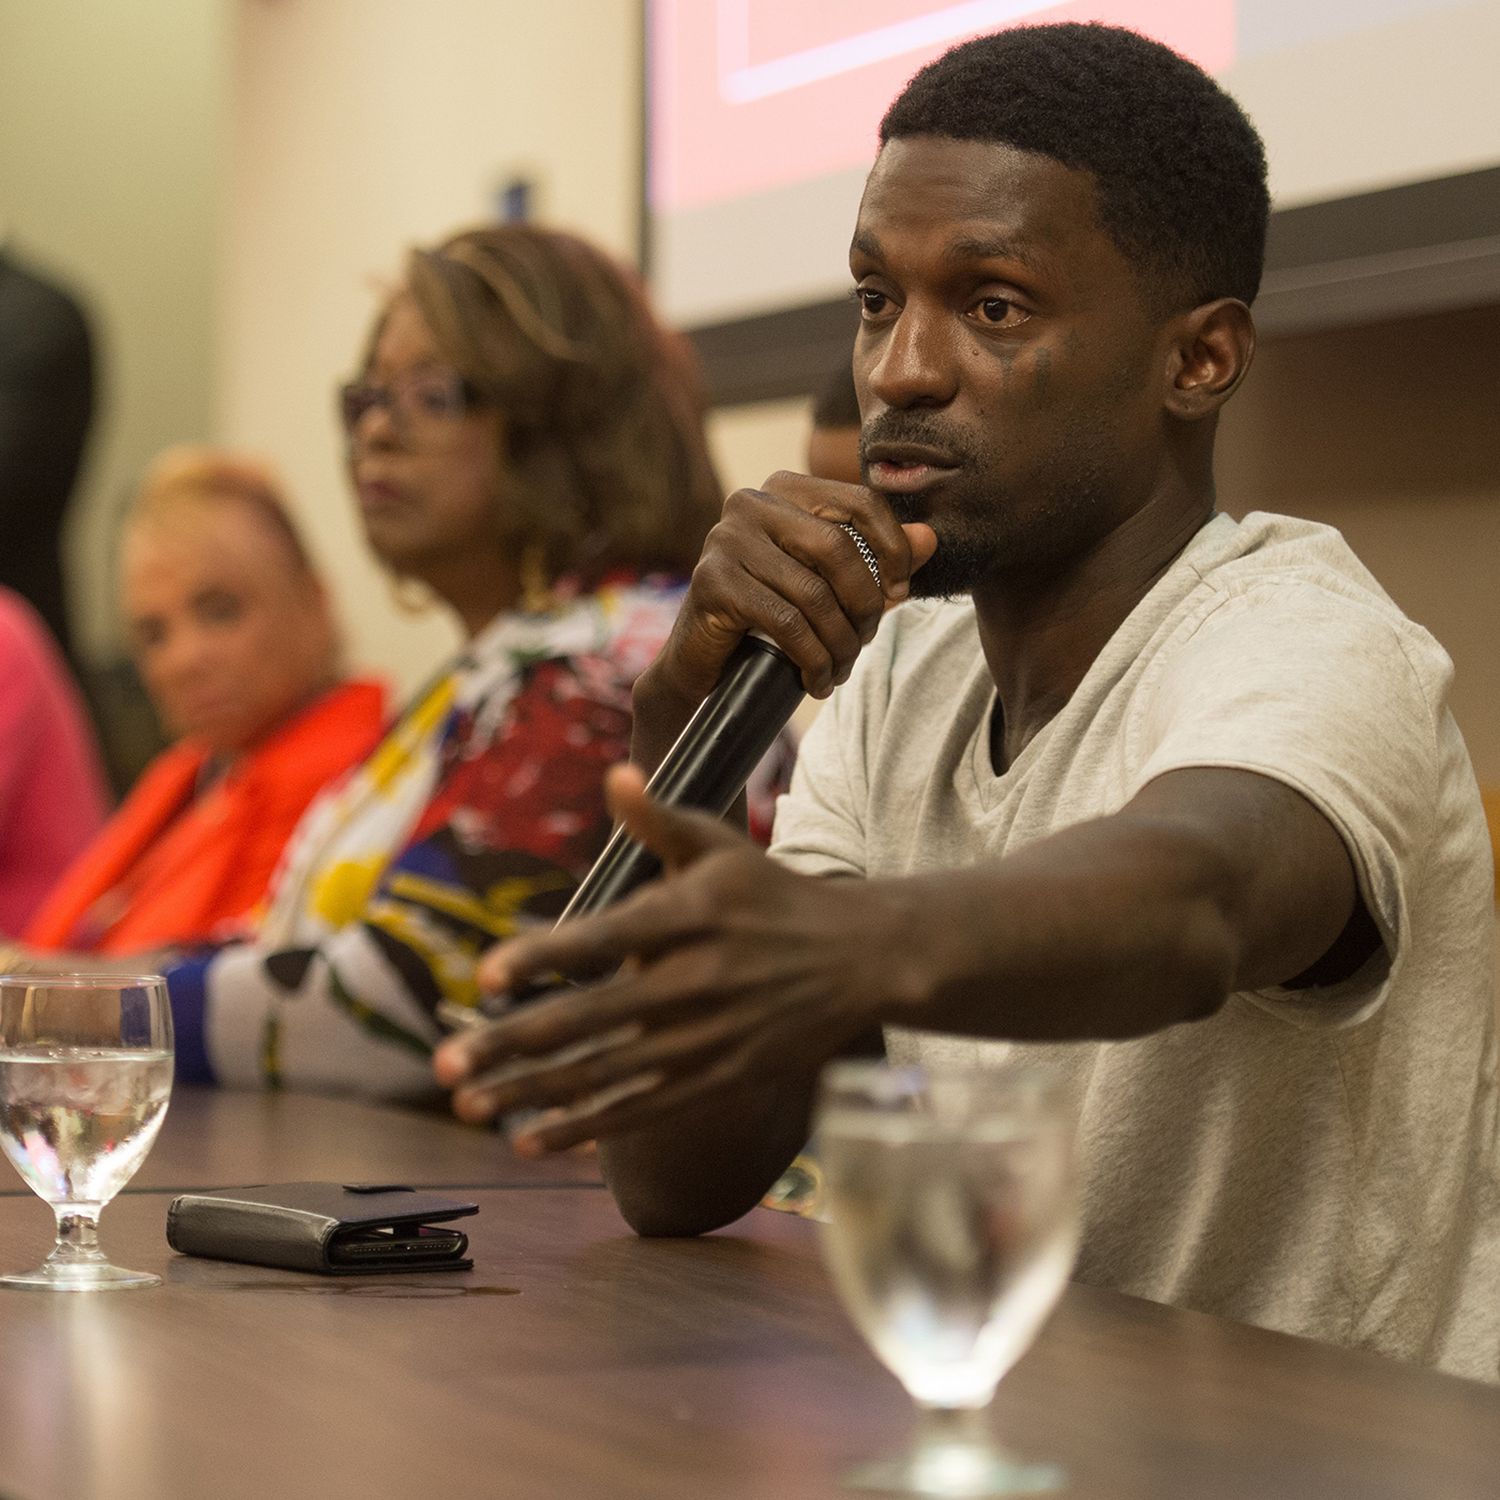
(193, 476)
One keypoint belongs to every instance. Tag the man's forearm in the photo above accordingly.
(709, 1164)
(1208, 882)
(1054, 962)
(1087, 935)
(1093, 934)
(1133, 922)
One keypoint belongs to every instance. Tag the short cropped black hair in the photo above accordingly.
(1179, 171)
(837, 402)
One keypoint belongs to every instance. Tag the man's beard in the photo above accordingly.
(983, 532)
(969, 548)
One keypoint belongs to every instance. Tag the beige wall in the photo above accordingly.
(752, 441)
(360, 127)
(111, 129)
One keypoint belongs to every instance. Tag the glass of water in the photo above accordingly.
(85, 1073)
(952, 1225)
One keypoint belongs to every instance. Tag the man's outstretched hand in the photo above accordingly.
(731, 969)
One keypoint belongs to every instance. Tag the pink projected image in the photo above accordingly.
(749, 95)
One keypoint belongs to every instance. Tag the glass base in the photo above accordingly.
(953, 1472)
(105, 1278)
(73, 1268)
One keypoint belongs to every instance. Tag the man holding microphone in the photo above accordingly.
(1170, 804)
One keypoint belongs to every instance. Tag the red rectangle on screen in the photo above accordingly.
(749, 95)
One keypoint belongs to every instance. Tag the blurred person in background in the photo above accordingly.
(234, 638)
(52, 797)
(526, 441)
(833, 444)
(46, 404)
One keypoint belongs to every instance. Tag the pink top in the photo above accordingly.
(52, 799)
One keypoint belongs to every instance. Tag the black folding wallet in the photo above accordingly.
(348, 1229)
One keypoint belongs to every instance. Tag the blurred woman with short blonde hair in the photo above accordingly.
(234, 638)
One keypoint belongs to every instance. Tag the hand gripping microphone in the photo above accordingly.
(712, 759)
(706, 768)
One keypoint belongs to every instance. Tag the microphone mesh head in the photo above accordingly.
(865, 550)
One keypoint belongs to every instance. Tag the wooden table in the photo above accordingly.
(220, 1138)
(577, 1361)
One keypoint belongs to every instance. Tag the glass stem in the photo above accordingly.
(77, 1233)
(951, 1440)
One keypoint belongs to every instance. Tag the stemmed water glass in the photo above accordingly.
(85, 1073)
(951, 1228)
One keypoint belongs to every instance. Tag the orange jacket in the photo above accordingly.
(172, 867)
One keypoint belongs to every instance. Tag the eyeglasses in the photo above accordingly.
(420, 402)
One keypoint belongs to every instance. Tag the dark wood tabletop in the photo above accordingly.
(578, 1361)
(222, 1138)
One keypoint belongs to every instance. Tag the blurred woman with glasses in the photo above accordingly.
(526, 441)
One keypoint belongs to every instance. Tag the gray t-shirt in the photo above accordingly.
(1324, 1161)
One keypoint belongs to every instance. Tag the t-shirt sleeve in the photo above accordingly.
(1330, 696)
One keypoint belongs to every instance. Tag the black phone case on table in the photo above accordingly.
(299, 1226)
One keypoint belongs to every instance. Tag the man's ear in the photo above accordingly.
(1210, 351)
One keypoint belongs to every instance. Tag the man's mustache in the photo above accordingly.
(917, 428)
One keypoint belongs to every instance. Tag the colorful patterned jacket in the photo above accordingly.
(476, 815)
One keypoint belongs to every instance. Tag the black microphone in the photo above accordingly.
(706, 769)
(708, 765)
(712, 759)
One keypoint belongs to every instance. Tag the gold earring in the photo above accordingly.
(536, 586)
